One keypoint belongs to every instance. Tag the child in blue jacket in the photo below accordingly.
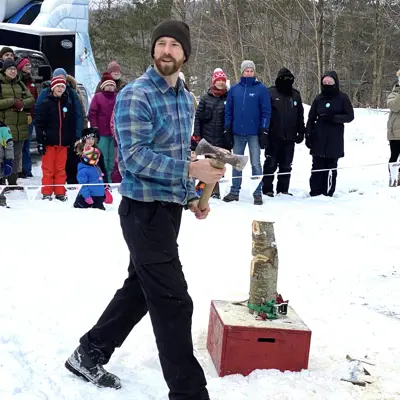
(90, 173)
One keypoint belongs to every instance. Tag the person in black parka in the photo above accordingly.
(286, 128)
(210, 117)
(330, 110)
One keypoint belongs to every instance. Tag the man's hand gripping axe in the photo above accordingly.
(219, 157)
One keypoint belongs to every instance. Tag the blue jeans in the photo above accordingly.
(239, 146)
(26, 153)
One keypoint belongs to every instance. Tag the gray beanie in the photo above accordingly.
(247, 64)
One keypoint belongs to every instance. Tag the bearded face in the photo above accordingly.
(168, 56)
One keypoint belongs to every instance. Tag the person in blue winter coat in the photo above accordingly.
(91, 195)
(247, 117)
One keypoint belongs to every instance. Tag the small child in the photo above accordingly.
(90, 173)
(6, 157)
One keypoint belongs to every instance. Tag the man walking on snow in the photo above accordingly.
(153, 121)
(247, 115)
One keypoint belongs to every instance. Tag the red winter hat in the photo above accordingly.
(113, 67)
(107, 79)
(21, 63)
(218, 75)
(58, 80)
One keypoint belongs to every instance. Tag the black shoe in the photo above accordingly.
(28, 175)
(269, 194)
(3, 201)
(61, 197)
(47, 197)
(215, 196)
(258, 201)
(231, 197)
(22, 175)
(81, 365)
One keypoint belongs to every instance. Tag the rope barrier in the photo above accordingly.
(258, 177)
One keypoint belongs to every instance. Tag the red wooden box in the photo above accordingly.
(239, 344)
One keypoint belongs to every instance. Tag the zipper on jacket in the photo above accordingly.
(59, 114)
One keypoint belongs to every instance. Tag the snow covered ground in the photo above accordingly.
(338, 265)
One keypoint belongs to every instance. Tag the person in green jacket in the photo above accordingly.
(15, 102)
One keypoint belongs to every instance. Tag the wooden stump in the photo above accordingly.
(264, 266)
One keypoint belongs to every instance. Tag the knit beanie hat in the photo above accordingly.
(57, 81)
(247, 64)
(88, 133)
(218, 75)
(91, 155)
(22, 62)
(5, 50)
(107, 79)
(60, 71)
(173, 29)
(8, 64)
(113, 67)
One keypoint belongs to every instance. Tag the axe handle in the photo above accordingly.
(209, 187)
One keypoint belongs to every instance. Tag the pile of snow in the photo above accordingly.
(338, 265)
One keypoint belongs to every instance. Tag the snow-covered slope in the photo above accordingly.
(338, 265)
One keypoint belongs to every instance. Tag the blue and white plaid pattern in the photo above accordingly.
(153, 123)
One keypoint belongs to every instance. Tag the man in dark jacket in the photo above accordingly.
(247, 115)
(330, 110)
(286, 128)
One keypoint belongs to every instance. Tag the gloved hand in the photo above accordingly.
(326, 117)
(228, 138)
(18, 105)
(6, 167)
(263, 138)
(299, 138)
(41, 149)
(308, 141)
(89, 201)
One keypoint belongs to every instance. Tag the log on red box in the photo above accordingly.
(240, 344)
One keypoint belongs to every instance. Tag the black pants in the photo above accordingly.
(394, 150)
(98, 202)
(323, 182)
(155, 284)
(71, 167)
(280, 153)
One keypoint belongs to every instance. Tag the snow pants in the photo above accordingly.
(155, 284)
(53, 170)
(323, 182)
(279, 153)
(98, 202)
(107, 148)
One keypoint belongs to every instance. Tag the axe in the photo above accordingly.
(219, 157)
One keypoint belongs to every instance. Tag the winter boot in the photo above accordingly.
(12, 180)
(3, 200)
(231, 197)
(215, 193)
(81, 365)
(47, 197)
(258, 201)
(61, 197)
(269, 194)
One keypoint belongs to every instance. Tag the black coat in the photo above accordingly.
(327, 137)
(55, 121)
(213, 129)
(287, 119)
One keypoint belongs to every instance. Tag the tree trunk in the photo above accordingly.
(264, 266)
(332, 55)
(374, 93)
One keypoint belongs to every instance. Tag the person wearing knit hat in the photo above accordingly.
(90, 176)
(114, 69)
(247, 118)
(153, 122)
(55, 121)
(286, 128)
(16, 101)
(99, 115)
(7, 53)
(25, 70)
(210, 118)
(60, 71)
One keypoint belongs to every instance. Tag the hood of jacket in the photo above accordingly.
(244, 81)
(72, 81)
(284, 72)
(333, 75)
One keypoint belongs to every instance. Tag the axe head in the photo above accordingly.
(225, 156)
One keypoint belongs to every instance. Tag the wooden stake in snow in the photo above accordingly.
(264, 266)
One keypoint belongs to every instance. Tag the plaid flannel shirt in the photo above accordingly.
(153, 123)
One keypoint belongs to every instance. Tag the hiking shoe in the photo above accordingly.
(61, 197)
(81, 365)
(258, 201)
(47, 197)
(231, 197)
